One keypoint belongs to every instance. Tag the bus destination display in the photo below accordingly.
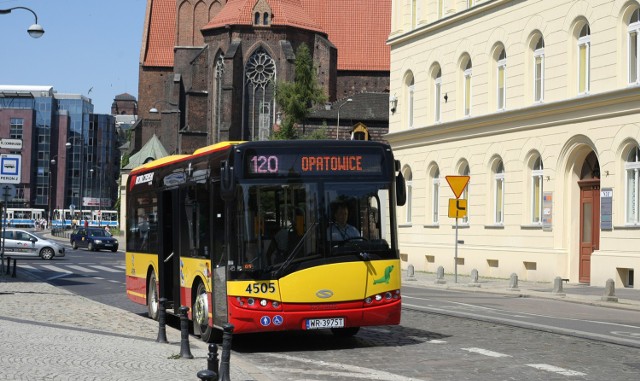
(315, 164)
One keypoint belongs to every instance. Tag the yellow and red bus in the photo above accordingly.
(241, 233)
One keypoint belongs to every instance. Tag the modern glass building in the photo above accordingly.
(69, 155)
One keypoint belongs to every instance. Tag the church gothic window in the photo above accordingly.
(259, 102)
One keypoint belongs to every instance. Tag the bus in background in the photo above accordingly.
(23, 217)
(63, 218)
(241, 233)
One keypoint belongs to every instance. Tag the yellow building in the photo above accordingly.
(538, 101)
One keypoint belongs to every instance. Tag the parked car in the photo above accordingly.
(20, 242)
(94, 239)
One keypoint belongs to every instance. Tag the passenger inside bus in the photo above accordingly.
(340, 229)
(286, 239)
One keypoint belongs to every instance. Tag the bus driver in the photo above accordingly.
(340, 230)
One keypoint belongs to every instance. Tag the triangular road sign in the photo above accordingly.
(457, 184)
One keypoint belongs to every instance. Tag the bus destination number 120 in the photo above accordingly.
(261, 288)
(264, 164)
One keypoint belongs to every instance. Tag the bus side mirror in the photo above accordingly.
(227, 187)
(401, 190)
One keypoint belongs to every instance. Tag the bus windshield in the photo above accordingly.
(285, 228)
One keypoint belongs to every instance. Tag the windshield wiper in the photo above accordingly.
(295, 250)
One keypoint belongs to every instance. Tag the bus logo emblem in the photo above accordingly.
(324, 294)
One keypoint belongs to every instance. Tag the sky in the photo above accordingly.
(90, 47)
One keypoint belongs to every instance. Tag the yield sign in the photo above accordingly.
(457, 184)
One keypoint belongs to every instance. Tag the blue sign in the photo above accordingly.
(265, 321)
(10, 168)
(277, 320)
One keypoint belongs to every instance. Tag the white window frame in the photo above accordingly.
(538, 75)
(584, 41)
(632, 189)
(409, 183)
(501, 99)
(498, 193)
(440, 9)
(437, 97)
(633, 50)
(467, 89)
(435, 196)
(465, 194)
(537, 177)
(411, 93)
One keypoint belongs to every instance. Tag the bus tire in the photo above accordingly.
(152, 297)
(201, 310)
(345, 332)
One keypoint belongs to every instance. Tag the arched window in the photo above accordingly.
(410, 97)
(634, 47)
(498, 191)
(632, 168)
(256, 18)
(538, 71)
(437, 95)
(259, 101)
(584, 44)
(464, 171)
(467, 88)
(501, 89)
(409, 182)
(435, 195)
(537, 173)
(265, 18)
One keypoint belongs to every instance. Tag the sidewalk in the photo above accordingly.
(628, 298)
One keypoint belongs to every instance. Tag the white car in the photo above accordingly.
(20, 242)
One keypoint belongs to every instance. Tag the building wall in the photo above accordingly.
(562, 129)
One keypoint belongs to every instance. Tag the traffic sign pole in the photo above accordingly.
(457, 184)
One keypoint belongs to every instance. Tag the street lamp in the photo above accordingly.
(175, 110)
(35, 30)
(338, 124)
(52, 163)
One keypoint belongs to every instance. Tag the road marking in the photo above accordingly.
(485, 352)
(555, 369)
(57, 269)
(342, 370)
(83, 269)
(107, 269)
(121, 267)
(437, 341)
(31, 268)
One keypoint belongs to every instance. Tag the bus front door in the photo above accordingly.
(168, 258)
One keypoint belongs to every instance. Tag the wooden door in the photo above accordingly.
(589, 225)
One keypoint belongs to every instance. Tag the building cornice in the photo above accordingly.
(604, 105)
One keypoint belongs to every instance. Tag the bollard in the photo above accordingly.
(411, 273)
(557, 287)
(162, 321)
(13, 273)
(212, 358)
(185, 352)
(226, 352)
(207, 375)
(474, 279)
(609, 292)
(513, 282)
(440, 276)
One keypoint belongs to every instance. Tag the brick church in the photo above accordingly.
(208, 68)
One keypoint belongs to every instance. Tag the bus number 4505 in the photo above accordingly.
(257, 288)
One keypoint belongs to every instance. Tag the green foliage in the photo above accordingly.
(298, 97)
(319, 134)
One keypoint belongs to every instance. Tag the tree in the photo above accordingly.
(298, 97)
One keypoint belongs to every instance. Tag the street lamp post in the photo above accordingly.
(35, 30)
(338, 124)
(176, 110)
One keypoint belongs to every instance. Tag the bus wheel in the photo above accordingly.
(152, 297)
(345, 332)
(201, 311)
